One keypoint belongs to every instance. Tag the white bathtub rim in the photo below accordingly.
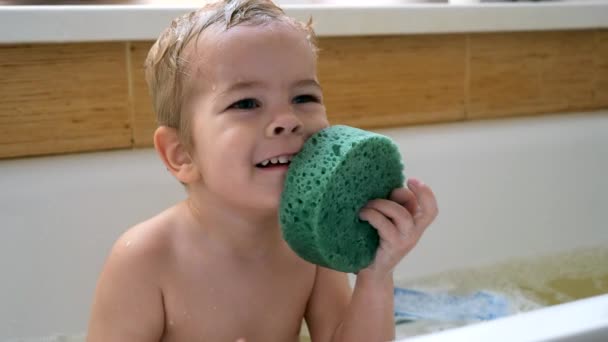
(562, 322)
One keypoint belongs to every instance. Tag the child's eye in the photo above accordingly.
(245, 104)
(305, 99)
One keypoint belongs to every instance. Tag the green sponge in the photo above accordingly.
(336, 173)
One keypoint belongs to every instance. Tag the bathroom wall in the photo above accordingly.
(72, 97)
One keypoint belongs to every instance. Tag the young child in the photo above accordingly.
(235, 84)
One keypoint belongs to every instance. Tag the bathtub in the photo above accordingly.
(506, 188)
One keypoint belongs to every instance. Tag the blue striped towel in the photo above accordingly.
(441, 306)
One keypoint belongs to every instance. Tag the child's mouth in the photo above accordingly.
(273, 166)
(275, 162)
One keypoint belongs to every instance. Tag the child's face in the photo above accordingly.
(254, 96)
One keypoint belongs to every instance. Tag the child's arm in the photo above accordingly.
(128, 302)
(368, 317)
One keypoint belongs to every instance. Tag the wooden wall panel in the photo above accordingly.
(144, 119)
(60, 98)
(63, 98)
(394, 80)
(531, 72)
(601, 91)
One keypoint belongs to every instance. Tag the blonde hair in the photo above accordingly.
(165, 66)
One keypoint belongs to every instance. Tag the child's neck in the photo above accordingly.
(242, 233)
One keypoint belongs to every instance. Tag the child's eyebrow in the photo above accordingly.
(307, 82)
(244, 85)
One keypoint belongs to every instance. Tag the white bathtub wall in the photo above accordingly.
(60, 215)
(506, 188)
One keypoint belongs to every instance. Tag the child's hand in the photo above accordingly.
(400, 222)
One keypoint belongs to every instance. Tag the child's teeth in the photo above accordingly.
(277, 160)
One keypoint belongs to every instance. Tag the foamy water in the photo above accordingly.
(528, 284)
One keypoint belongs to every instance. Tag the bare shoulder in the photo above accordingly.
(148, 242)
(128, 303)
(143, 249)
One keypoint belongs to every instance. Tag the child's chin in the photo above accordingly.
(270, 203)
(274, 204)
(265, 198)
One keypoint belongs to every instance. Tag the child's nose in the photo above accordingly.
(284, 124)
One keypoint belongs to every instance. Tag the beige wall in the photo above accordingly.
(59, 98)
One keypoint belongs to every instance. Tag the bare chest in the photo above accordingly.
(220, 302)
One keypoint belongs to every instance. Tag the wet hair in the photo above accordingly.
(166, 65)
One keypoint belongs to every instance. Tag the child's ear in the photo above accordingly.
(175, 155)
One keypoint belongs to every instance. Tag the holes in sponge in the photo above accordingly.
(336, 149)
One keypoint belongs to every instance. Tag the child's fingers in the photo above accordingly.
(427, 202)
(406, 198)
(399, 217)
(386, 229)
